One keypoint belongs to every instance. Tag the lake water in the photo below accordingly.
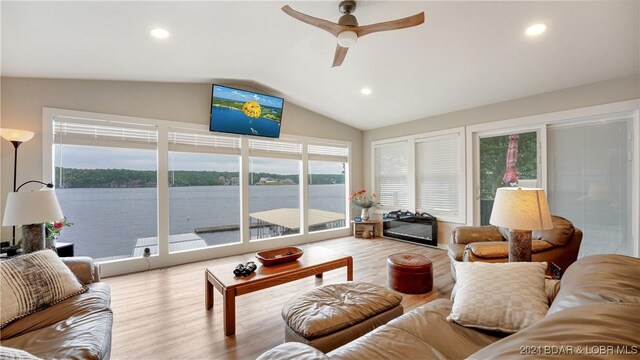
(107, 222)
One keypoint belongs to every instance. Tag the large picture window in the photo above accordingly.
(422, 173)
(439, 176)
(274, 188)
(135, 187)
(105, 179)
(506, 160)
(326, 187)
(391, 167)
(204, 190)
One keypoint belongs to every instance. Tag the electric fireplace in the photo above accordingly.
(420, 228)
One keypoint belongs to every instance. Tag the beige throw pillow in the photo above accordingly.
(32, 282)
(504, 297)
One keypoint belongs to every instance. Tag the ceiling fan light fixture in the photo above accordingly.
(347, 38)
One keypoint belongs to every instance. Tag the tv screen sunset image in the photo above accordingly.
(244, 112)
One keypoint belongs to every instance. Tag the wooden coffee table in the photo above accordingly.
(315, 261)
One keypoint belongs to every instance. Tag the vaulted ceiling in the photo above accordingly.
(466, 54)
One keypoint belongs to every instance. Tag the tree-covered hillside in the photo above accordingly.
(124, 178)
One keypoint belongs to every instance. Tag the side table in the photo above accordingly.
(64, 249)
(360, 226)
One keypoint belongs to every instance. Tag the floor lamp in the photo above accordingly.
(521, 210)
(16, 137)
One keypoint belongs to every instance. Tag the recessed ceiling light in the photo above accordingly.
(536, 29)
(365, 91)
(159, 33)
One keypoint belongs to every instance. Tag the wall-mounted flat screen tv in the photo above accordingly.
(244, 112)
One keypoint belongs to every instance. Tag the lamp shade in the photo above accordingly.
(521, 209)
(33, 207)
(16, 135)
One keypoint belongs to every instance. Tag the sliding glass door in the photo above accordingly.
(589, 182)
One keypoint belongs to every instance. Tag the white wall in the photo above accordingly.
(604, 92)
(22, 100)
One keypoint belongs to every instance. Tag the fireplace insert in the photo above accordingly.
(420, 228)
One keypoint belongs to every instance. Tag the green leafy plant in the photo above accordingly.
(54, 228)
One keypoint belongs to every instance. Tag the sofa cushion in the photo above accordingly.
(423, 333)
(85, 336)
(504, 297)
(7, 353)
(560, 233)
(83, 268)
(331, 308)
(385, 343)
(602, 330)
(471, 234)
(293, 351)
(557, 236)
(599, 278)
(422, 322)
(456, 251)
(500, 249)
(32, 282)
(97, 298)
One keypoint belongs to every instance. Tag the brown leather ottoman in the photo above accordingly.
(410, 273)
(333, 315)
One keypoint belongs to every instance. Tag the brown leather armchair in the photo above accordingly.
(489, 244)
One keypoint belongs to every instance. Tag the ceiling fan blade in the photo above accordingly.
(333, 28)
(341, 52)
(410, 21)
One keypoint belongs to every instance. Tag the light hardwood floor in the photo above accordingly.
(160, 314)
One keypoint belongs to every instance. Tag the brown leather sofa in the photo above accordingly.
(489, 243)
(594, 314)
(76, 328)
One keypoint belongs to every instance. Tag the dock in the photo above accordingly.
(178, 242)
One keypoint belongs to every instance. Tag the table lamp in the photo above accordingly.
(31, 210)
(521, 210)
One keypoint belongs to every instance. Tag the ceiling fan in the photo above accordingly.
(347, 30)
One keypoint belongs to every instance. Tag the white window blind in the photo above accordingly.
(391, 174)
(328, 153)
(105, 134)
(438, 175)
(185, 141)
(275, 148)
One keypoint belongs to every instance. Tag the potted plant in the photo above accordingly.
(53, 230)
(364, 202)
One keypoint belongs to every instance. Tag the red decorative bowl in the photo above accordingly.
(279, 256)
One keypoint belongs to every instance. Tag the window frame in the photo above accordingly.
(164, 258)
(410, 171)
(459, 133)
(412, 141)
(627, 108)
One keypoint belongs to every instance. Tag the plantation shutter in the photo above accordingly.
(391, 174)
(438, 175)
(185, 141)
(275, 148)
(328, 153)
(107, 134)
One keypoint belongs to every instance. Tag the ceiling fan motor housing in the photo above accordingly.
(348, 20)
(347, 6)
